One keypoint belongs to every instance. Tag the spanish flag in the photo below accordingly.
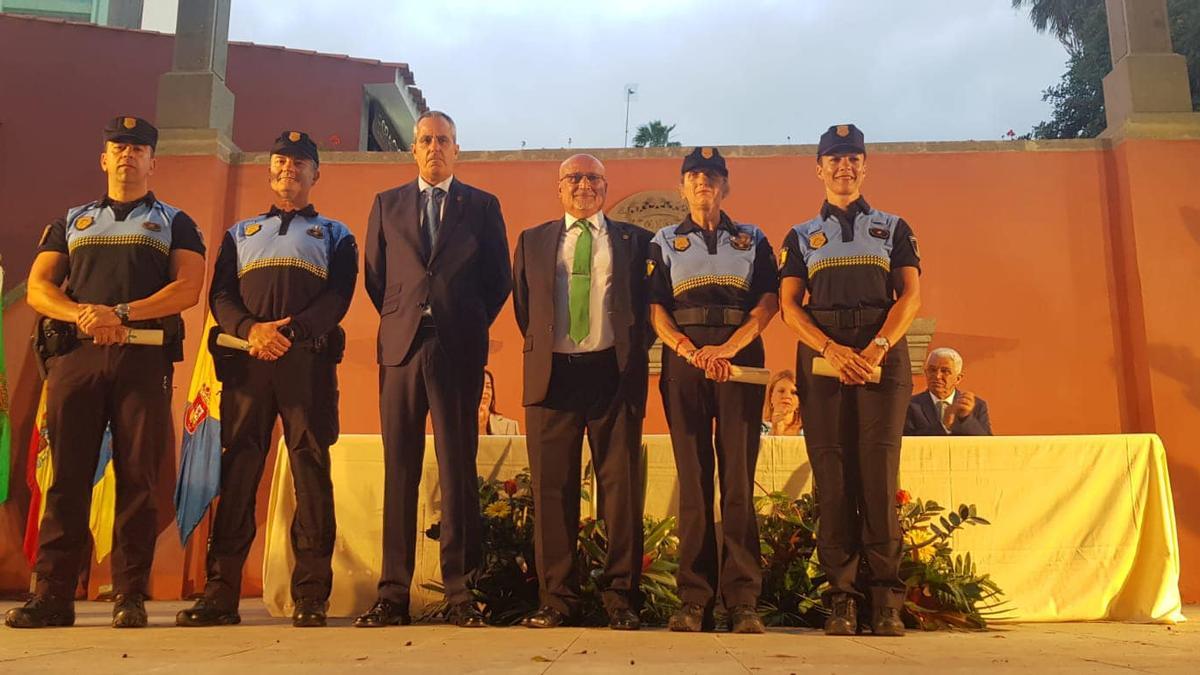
(39, 475)
(200, 462)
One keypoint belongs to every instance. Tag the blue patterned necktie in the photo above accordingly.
(433, 214)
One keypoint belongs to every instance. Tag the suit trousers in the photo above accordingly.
(582, 398)
(694, 404)
(853, 438)
(129, 387)
(430, 381)
(300, 388)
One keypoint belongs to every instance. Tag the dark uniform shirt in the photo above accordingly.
(120, 251)
(732, 266)
(278, 264)
(846, 257)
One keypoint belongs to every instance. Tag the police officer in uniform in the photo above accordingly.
(859, 268)
(129, 261)
(713, 289)
(283, 280)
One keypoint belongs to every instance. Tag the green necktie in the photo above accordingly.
(580, 288)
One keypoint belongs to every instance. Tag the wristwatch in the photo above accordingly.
(122, 312)
(882, 343)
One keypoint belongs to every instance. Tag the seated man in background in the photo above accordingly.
(943, 410)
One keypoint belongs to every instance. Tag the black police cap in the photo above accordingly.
(296, 144)
(704, 158)
(842, 139)
(130, 129)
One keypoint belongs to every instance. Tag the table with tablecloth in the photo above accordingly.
(1083, 527)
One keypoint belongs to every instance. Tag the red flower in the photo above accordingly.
(902, 497)
(647, 561)
(510, 487)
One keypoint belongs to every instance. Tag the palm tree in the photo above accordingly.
(1063, 18)
(654, 135)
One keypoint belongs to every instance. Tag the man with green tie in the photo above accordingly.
(579, 290)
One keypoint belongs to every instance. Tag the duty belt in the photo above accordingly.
(848, 318)
(709, 316)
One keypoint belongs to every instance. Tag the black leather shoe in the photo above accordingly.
(384, 613)
(545, 617)
(624, 619)
(129, 610)
(309, 614)
(40, 612)
(887, 622)
(843, 620)
(691, 618)
(208, 612)
(745, 619)
(465, 615)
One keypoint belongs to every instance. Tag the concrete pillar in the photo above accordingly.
(1147, 91)
(192, 97)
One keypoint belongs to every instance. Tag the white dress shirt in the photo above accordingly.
(423, 186)
(600, 332)
(937, 406)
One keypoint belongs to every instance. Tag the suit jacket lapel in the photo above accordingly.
(620, 240)
(544, 250)
(451, 216)
(409, 221)
(931, 413)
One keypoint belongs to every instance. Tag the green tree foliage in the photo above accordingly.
(654, 135)
(1082, 28)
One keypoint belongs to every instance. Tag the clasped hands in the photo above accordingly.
(267, 343)
(853, 367)
(712, 359)
(101, 323)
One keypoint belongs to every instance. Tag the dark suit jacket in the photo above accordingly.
(534, 270)
(922, 419)
(465, 279)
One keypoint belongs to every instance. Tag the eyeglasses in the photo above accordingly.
(577, 178)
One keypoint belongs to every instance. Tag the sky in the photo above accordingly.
(746, 72)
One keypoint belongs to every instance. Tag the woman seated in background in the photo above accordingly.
(492, 423)
(781, 410)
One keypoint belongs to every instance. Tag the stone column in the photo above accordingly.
(1146, 94)
(194, 105)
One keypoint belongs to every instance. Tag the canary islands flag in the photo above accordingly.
(200, 462)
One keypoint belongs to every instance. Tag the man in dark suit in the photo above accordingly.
(944, 410)
(580, 300)
(437, 270)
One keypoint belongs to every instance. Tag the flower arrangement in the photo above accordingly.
(506, 583)
(944, 589)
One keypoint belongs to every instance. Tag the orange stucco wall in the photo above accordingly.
(1063, 274)
(61, 82)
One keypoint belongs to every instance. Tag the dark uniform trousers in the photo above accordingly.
(692, 403)
(583, 395)
(300, 388)
(430, 382)
(87, 388)
(853, 439)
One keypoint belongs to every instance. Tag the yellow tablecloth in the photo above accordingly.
(1083, 527)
